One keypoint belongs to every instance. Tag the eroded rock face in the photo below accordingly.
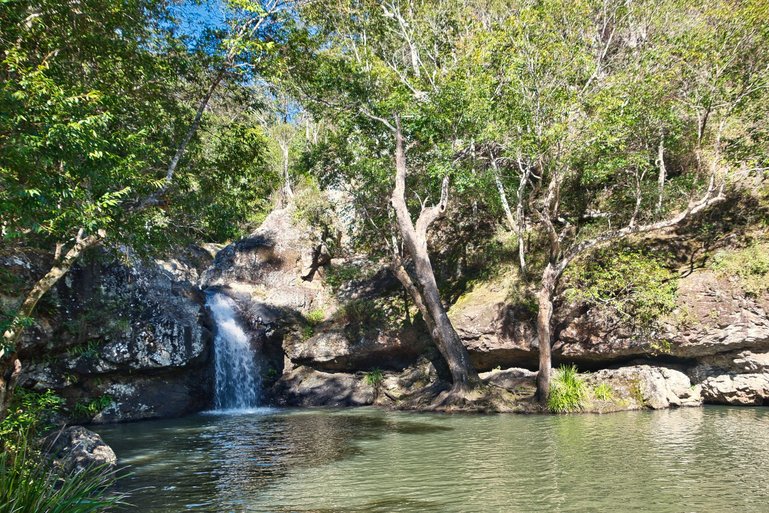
(75, 448)
(494, 332)
(127, 339)
(713, 318)
(304, 386)
(336, 350)
(737, 389)
(273, 266)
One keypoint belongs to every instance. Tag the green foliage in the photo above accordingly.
(88, 408)
(88, 351)
(307, 332)
(750, 265)
(374, 377)
(634, 284)
(316, 316)
(30, 413)
(28, 484)
(568, 391)
(662, 346)
(313, 206)
(338, 275)
(361, 313)
(603, 392)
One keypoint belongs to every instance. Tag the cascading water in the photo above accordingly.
(238, 377)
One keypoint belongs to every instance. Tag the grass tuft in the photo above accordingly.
(603, 392)
(29, 484)
(568, 391)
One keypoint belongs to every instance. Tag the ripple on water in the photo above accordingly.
(700, 459)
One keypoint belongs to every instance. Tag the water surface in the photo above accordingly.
(710, 459)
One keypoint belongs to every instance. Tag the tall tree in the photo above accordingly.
(376, 68)
(590, 99)
(93, 127)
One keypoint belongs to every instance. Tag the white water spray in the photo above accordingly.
(238, 377)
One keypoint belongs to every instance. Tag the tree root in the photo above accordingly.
(482, 398)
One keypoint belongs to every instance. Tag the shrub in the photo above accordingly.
(316, 317)
(89, 351)
(89, 408)
(307, 332)
(603, 392)
(567, 391)
(361, 312)
(750, 265)
(28, 484)
(637, 286)
(374, 377)
(29, 413)
(338, 275)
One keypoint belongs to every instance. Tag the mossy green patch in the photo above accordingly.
(750, 265)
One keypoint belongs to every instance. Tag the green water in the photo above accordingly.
(689, 460)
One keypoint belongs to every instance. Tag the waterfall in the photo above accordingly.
(238, 377)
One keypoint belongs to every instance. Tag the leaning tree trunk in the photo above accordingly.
(414, 237)
(10, 366)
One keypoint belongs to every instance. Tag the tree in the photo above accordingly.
(90, 110)
(589, 97)
(375, 71)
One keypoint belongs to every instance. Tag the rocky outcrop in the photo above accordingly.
(123, 338)
(339, 351)
(714, 321)
(74, 449)
(276, 277)
(737, 389)
(651, 387)
(304, 386)
(495, 332)
(272, 267)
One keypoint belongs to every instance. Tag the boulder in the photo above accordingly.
(75, 448)
(514, 379)
(304, 386)
(737, 389)
(652, 387)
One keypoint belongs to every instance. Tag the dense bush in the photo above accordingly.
(636, 285)
(28, 481)
(29, 484)
(30, 414)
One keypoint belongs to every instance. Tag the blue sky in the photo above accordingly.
(197, 16)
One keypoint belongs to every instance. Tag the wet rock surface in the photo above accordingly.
(123, 338)
(75, 448)
(304, 386)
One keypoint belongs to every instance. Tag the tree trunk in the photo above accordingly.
(414, 237)
(511, 222)
(544, 319)
(288, 194)
(9, 362)
(662, 174)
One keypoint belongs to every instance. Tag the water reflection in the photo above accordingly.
(710, 459)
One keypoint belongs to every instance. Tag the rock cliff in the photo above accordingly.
(121, 338)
